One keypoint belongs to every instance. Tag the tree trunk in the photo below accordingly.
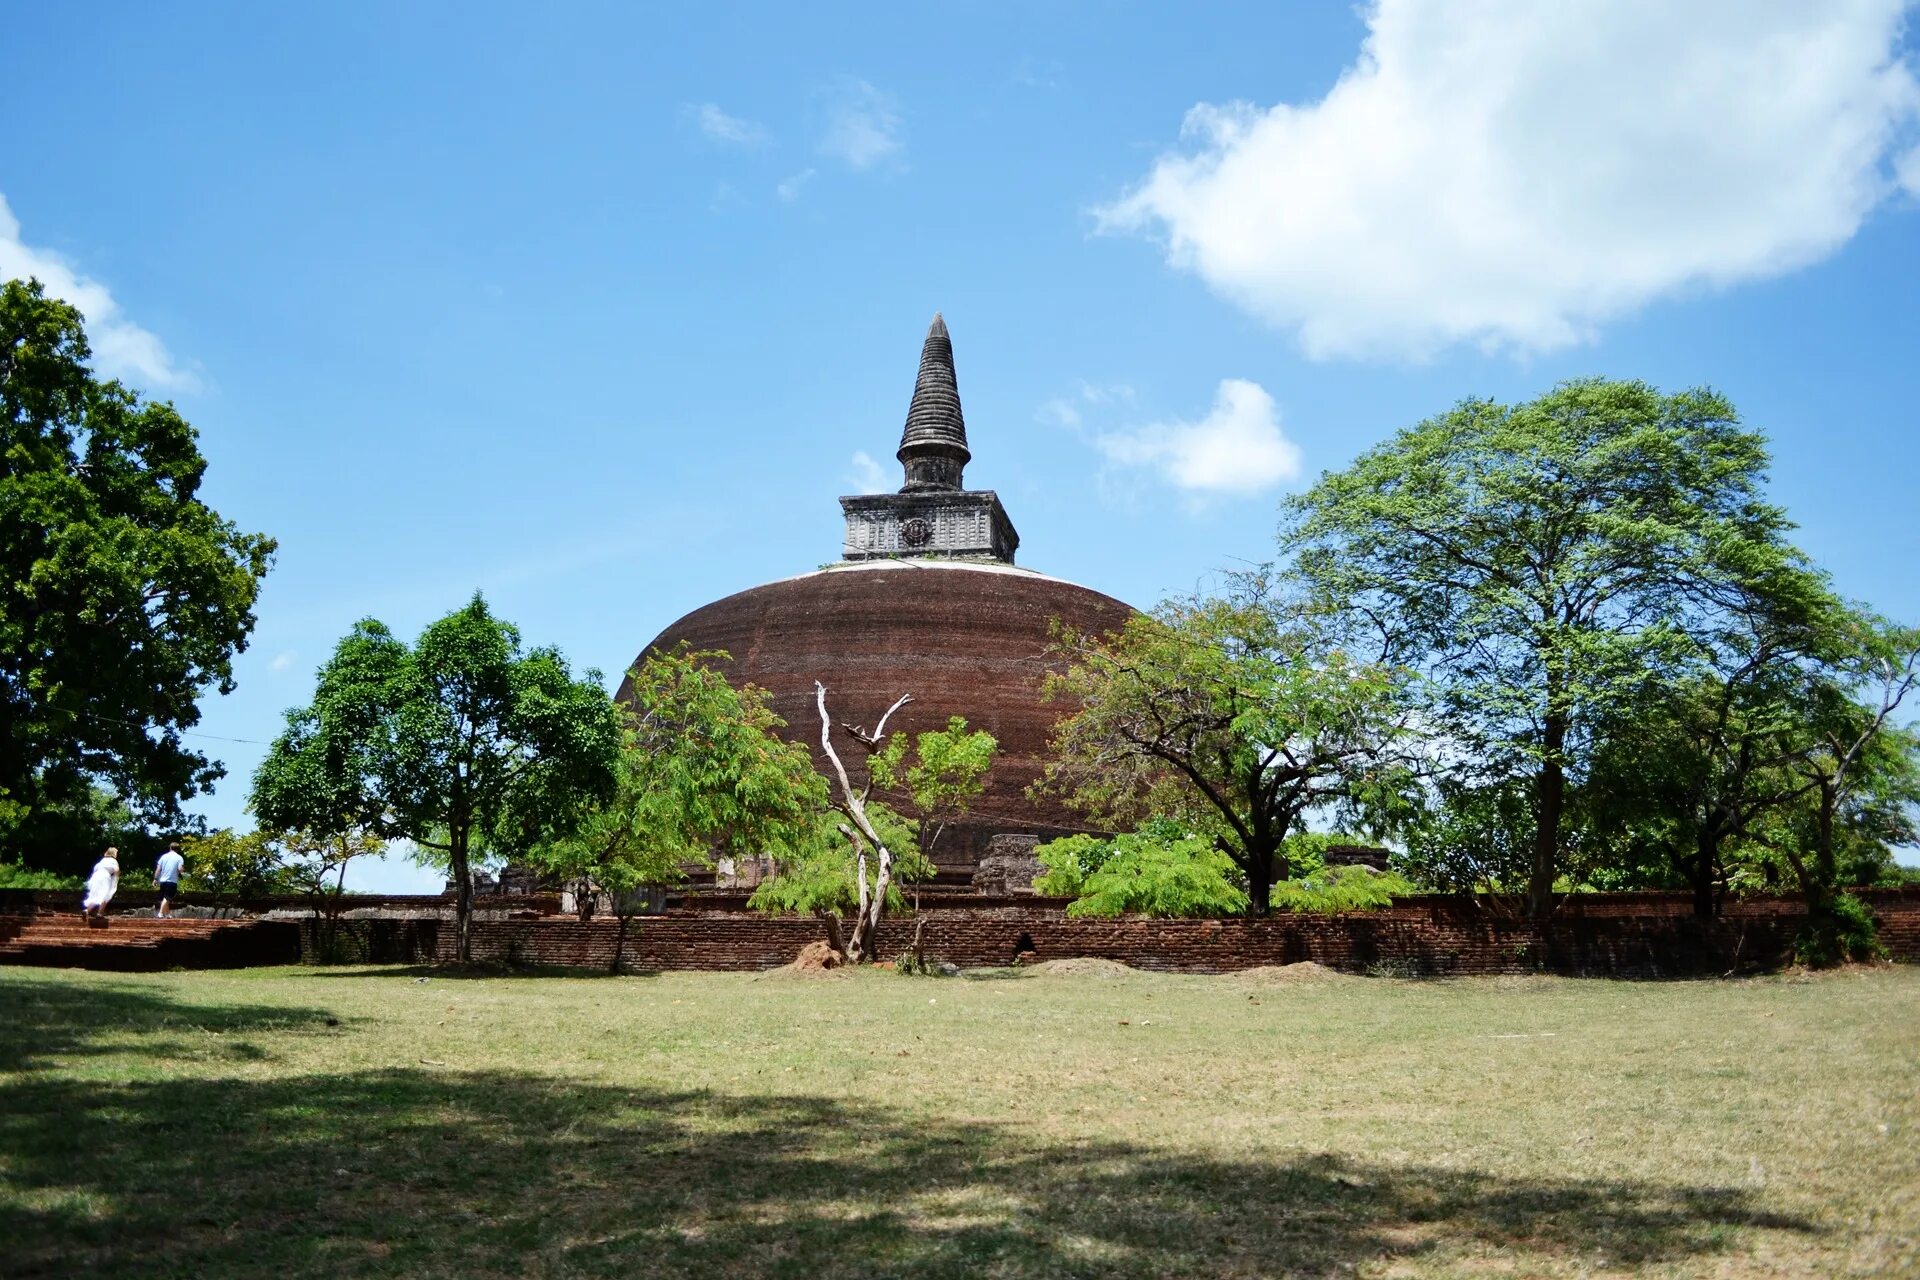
(462, 901)
(1706, 858)
(1260, 882)
(1820, 885)
(1551, 798)
(836, 936)
(619, 943)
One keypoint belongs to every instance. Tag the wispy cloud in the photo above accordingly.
(790, 188)
(121, 348)
(869, 476)
(863, 125)
(283, 661)
(721, 127)
(1513, 175)
(1070, 411)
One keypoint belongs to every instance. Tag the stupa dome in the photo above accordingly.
(926, 601)
(965, 638)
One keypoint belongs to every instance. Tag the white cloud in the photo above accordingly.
(1514, 174)
(863, 125)
(869, 476)
(790, 188)
(121, 348)
(721, 127)
(1238, 448)
(283, 660)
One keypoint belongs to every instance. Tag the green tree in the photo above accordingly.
(227, 865)
(1694, 764)
(1236, 714)
(123, 596)
(701, 774)
(1542, 563)
(459, 742)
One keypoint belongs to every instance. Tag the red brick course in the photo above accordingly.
(1627, 937)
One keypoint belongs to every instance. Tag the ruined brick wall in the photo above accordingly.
(1430, 936)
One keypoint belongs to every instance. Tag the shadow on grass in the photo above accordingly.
(46, 1018)
(404, 1171)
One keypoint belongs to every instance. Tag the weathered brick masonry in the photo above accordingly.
(1626, 935)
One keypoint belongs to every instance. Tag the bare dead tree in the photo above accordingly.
(859, 942)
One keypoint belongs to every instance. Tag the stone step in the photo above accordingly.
(134, 943)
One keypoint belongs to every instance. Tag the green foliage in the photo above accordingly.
(1160, 871)
(123, 596)
(227, 864)
(460, 742)
(946, 774)
(67, 835)
(857, 858)
(1068, 862)
(15, 876)
(820, 873)
(1333, 889)
(1543, 564)
(701, 773)
(1841, 931)
(1236, 714)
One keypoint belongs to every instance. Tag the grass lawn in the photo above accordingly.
(315, 1122)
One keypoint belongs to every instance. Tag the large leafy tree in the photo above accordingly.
(460, 742)
(1240, 713)
(123, 596)
(1682, 775)
(1543, 563)
(1856, 765)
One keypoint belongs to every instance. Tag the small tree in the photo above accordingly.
(1237, 714)
(701, 773)
(316, 867)
(456, 742)
(859, 872)
(227, 865)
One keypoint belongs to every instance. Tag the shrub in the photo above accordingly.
(1334, 889)
(15, 876)
(1843, 932)
(1147, 873)
(1068, 862)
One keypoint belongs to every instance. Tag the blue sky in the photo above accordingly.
(596, 309)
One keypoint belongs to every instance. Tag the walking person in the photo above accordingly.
(101, 885)
(166, 878)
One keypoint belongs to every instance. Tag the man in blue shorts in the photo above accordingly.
(166, 877)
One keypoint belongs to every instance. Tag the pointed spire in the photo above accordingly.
(933, 447)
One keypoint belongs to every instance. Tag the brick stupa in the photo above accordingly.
(926, 600)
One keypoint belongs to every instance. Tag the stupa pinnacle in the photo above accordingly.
(934, 516)
(933, 448)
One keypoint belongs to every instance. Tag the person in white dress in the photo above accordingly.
(102, 884)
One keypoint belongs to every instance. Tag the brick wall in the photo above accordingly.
(1626, 938)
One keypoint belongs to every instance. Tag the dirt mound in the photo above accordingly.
(1080, 966)
(1290, 975)
(816, 960)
